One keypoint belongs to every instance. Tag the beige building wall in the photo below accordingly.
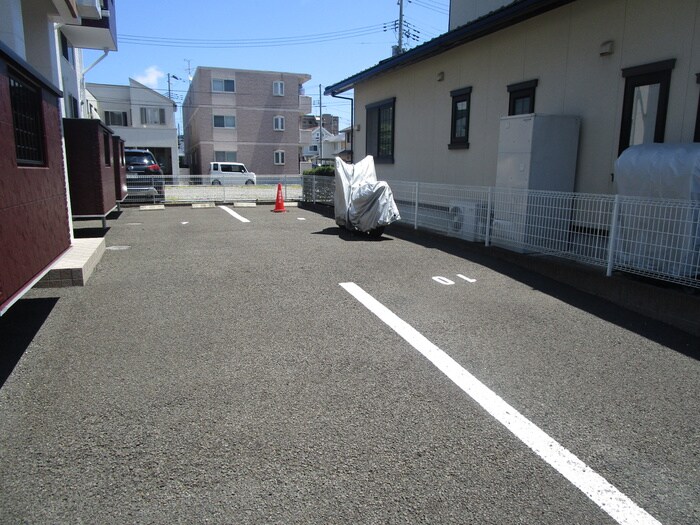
(254, 105)
(561, 49)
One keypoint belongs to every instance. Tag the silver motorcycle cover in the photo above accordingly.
(361, 202)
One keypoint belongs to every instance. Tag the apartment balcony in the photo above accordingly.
(97, 28)
(304, 104)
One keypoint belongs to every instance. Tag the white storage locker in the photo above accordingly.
(535, 152)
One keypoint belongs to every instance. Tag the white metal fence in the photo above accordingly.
(168, 189)
(654, 238)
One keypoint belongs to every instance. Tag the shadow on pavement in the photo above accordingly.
(348, 235)
(17, 330)
(662, 333)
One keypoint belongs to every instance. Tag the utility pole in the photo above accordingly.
(320, 124)
(400, 26)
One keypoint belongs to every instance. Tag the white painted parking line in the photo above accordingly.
(234, 214)
(466, 278)
(598, 489)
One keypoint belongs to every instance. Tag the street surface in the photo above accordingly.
(280, 370)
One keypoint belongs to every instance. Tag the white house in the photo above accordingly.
(628, 70)
(142, 117)
(331, 145)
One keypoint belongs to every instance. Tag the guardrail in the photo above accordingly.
(649, 237)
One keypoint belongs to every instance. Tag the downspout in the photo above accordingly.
(83, 91)
(352, 121)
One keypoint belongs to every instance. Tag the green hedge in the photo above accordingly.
(328, 171)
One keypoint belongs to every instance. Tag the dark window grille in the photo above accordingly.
(459, 134)
(522, 98)
(697, 119)
(25, 100)
(380, 131)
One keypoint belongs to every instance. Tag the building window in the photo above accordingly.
(107, 140)
(116, 118)
(25, 100)
(278, 88)
(67, 50)
(152, 116)
(278, 123)
(645, 104)
(380, 131)
(461, 104)
(697, 119)
(224, 121)
(279, 157)
(75, 109)
(221, 85)
(522, 98)
(225, 156)
(313, 148)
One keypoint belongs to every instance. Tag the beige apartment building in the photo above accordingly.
(245, 116)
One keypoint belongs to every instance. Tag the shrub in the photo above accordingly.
(328, 171)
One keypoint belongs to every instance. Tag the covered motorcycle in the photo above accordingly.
(361, 202)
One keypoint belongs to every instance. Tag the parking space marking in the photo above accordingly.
(598, 489)
(469, 280)
(234, 214)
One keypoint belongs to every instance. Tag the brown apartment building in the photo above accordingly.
(245, 116)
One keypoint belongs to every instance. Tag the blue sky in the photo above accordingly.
(328, 40)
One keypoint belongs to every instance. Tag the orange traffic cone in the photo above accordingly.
(279, 201)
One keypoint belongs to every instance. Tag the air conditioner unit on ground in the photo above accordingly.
(466, 220)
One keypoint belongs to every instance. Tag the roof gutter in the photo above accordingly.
(501, 19)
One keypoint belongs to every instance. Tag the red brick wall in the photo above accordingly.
(34, 228)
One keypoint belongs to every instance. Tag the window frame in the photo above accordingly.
(227, 156)
(646, 75)
(519, 91)
(214, 117)
(278, 88)
(460, 95)
(373, 144)
(223, 81)
(278, 119)
(279, 157)
(696, 137)
(27, 94)
(145, 112)
(110, 121)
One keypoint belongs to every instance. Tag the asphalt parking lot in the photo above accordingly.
(283, 371)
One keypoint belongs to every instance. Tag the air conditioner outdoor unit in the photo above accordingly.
(466, 220)
(90, 9)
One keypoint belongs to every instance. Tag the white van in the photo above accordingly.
(229, 173)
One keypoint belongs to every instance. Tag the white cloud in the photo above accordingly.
(150, 77)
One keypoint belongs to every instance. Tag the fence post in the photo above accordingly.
(489, 204)
(612, 236)
(415, 209)
(313, 188)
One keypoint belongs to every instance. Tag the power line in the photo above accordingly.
(255, 42)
